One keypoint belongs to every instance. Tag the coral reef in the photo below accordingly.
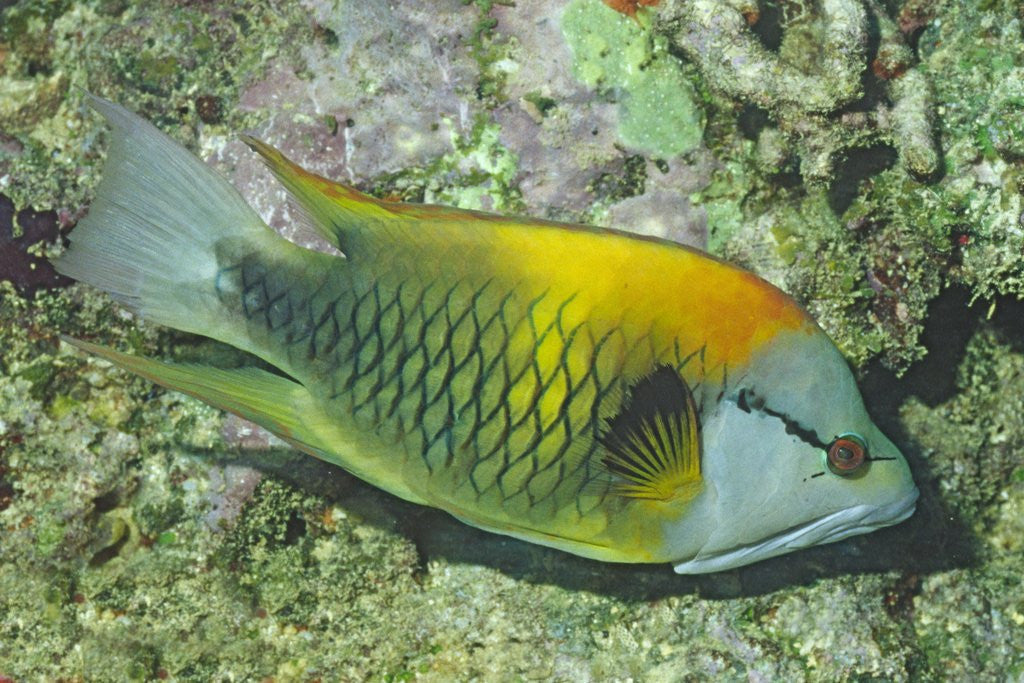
(866, 156)
(815, 71)
(834, 180)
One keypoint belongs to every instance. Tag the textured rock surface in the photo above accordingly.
(144, 535)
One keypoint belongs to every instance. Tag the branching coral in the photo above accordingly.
(816, 97)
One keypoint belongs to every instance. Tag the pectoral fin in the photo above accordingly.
(653, 445)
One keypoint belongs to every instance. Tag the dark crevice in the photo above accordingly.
(789, 178)
(295, 529)
(28, 273)
(108, 501)
(104, 555)
(859, 165)
(950, 323)
(874, 89)
(752, 120)
(768, 27)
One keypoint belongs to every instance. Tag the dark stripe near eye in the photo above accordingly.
(748, 401)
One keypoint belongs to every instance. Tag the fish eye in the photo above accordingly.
(846, 454)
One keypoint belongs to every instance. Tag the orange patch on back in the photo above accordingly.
(646, 286)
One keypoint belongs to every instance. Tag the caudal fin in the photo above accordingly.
(150, 234)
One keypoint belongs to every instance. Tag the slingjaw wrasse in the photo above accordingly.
(621, 398)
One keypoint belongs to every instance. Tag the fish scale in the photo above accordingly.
(437, 385)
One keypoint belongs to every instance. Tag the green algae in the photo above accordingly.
(490, 50)
(125, 528)
(902, 231)
(976, 435)
(977, 58)
(479, 173)
(150, 53)
(614, 54)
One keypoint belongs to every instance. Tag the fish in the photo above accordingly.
(619, 397)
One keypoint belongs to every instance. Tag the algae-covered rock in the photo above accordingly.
(658, 110)
(865, 156)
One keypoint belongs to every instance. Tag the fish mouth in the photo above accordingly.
(828, 528)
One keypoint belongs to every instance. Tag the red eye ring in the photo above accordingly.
(846, 455)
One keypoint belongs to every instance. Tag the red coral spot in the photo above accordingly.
(916, 14)
(887, 70)
(629, 7)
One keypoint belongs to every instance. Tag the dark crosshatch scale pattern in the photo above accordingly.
(496, 393)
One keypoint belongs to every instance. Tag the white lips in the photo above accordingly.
(828, 529)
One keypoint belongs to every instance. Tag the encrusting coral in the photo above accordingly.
(804, 89)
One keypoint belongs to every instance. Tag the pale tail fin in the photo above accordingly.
(150, 234)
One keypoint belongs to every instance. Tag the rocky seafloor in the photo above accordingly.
(866, 156)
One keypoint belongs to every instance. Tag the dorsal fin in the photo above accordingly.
(341, 214)
(338, 211)
(653, 442)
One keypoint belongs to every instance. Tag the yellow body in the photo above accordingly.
(606, 394)
(651, 302)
